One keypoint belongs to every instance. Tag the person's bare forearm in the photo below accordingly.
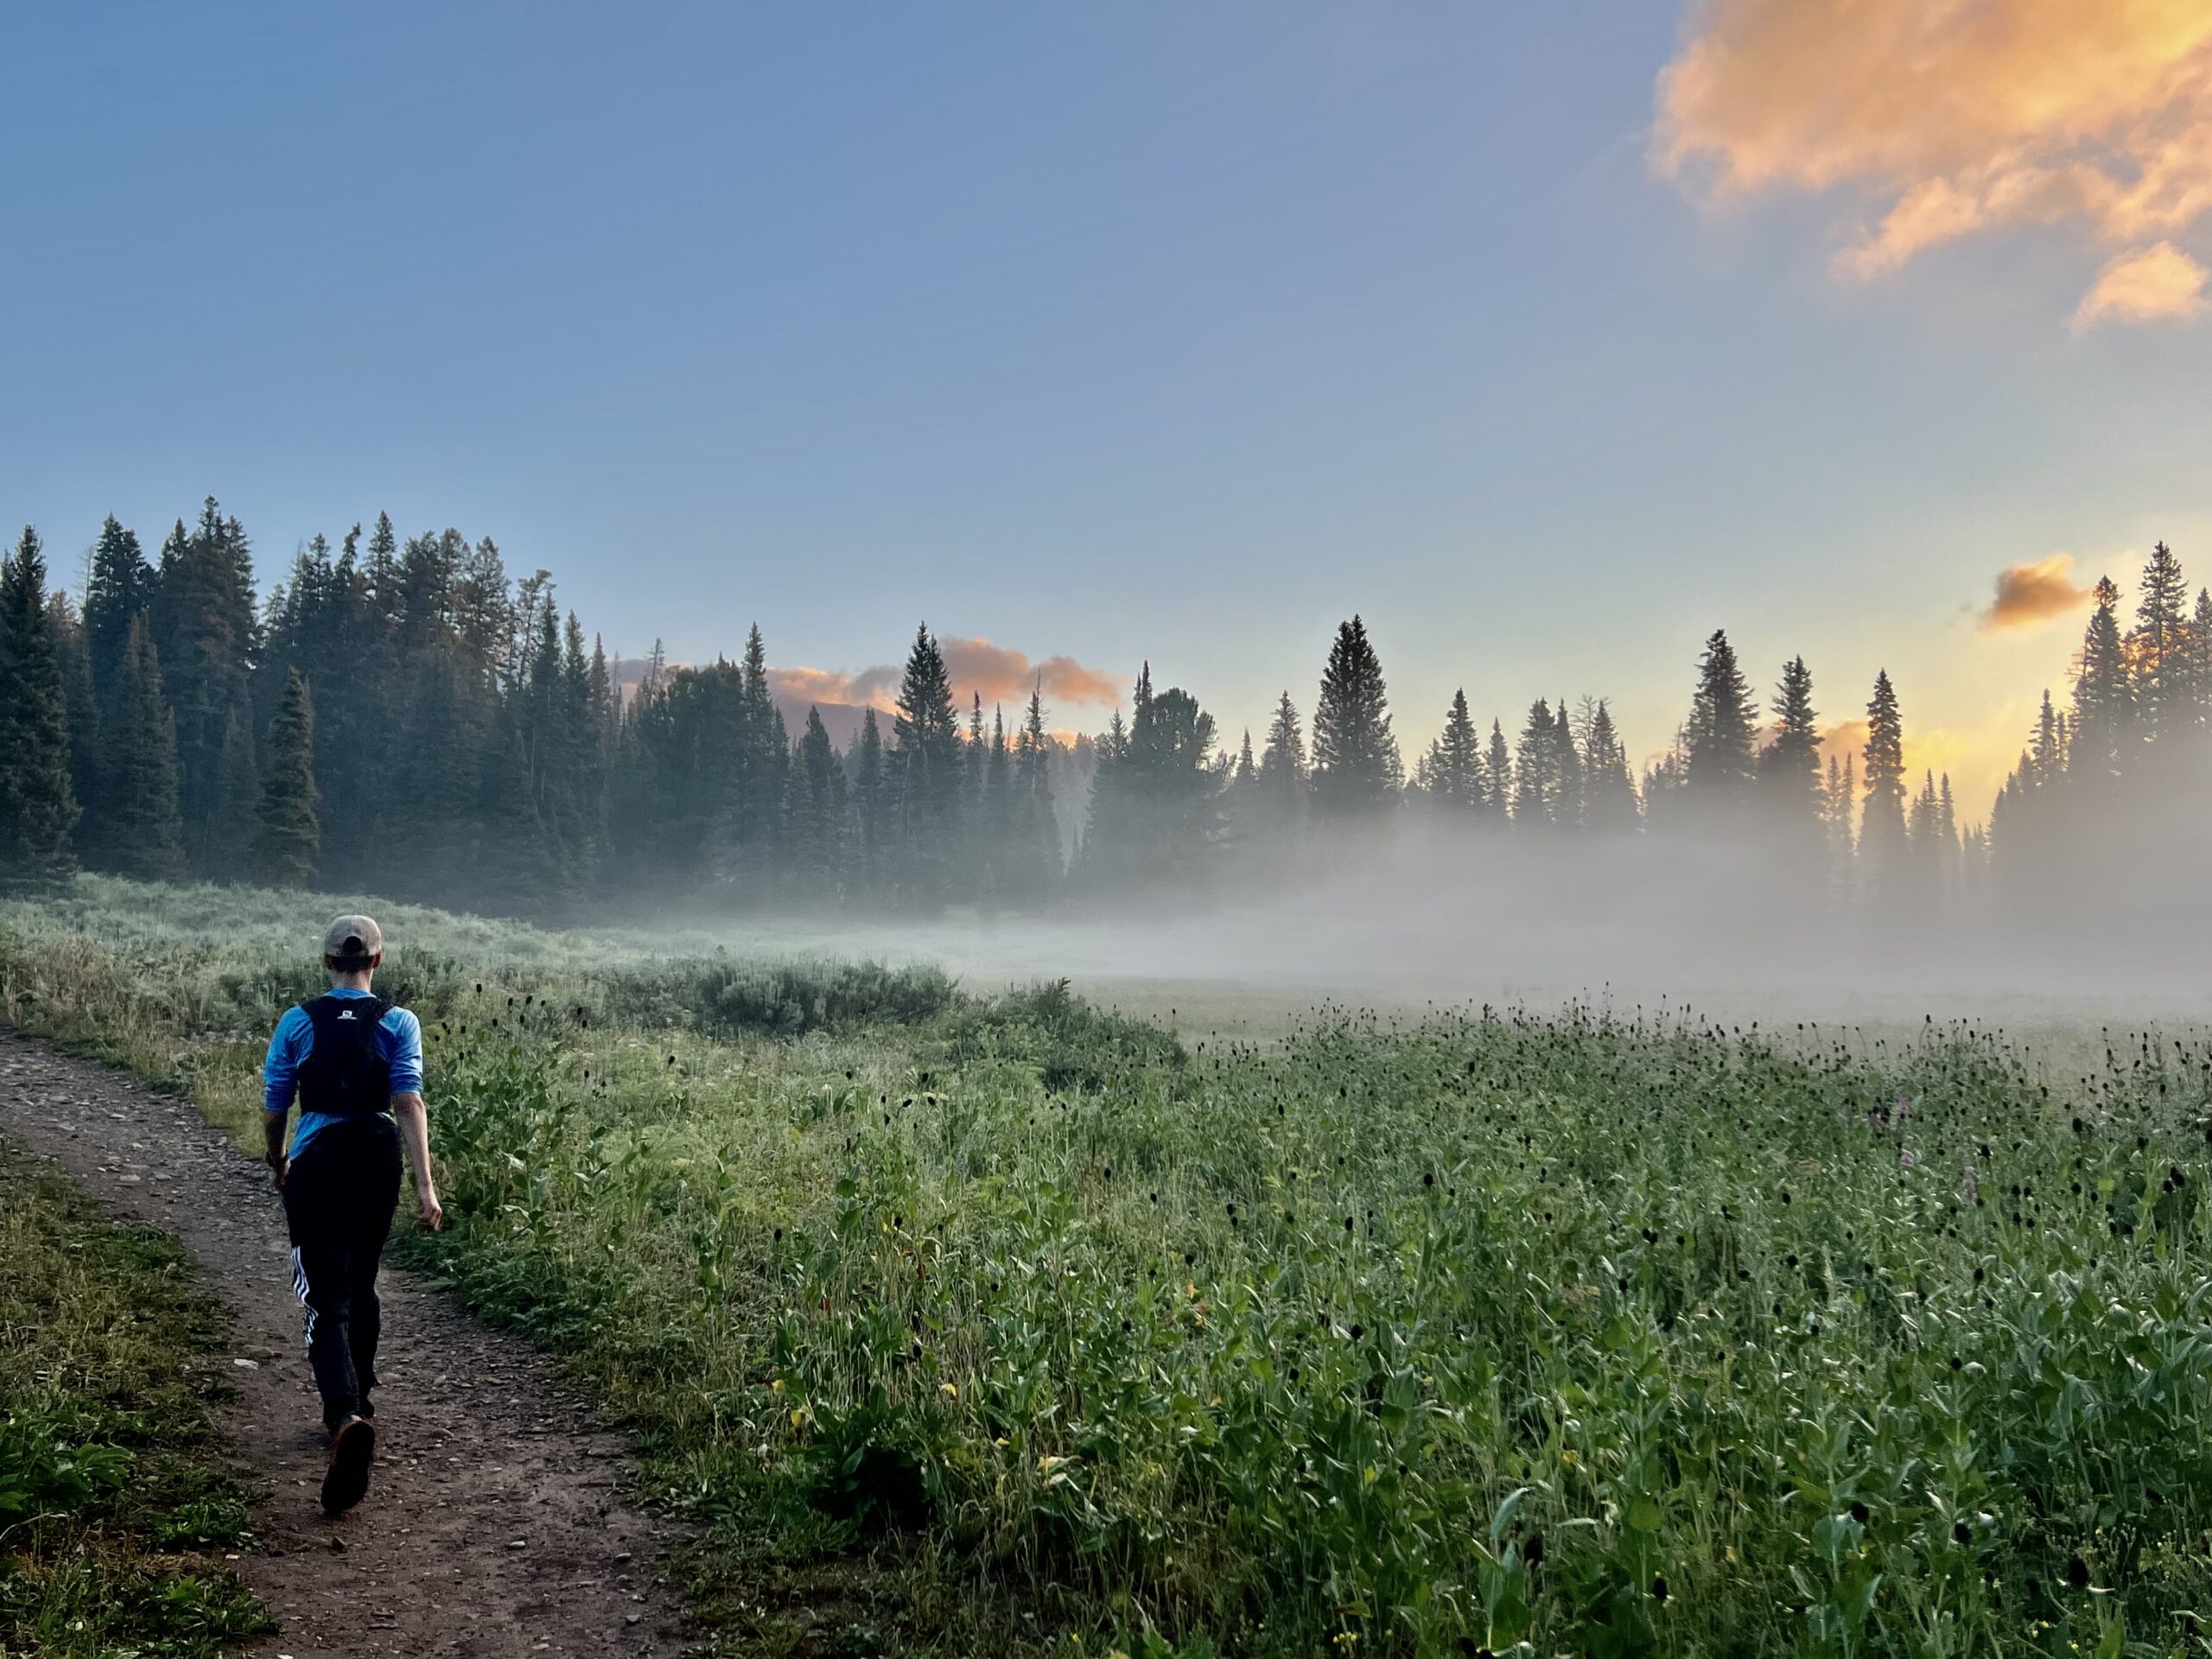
(414, 1120)
(272, 1134)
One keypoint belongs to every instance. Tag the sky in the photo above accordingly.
(1548, 339)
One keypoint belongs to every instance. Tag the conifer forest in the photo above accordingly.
(404, 717)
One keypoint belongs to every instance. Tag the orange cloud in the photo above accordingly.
(998, 674)
(2153, 284)
(1952, 118)
(2028, 593)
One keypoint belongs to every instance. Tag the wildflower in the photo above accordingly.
(947, 1390)
(1904, 1160)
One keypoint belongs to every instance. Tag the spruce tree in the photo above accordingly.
(871, 800)
(290, 839)
(231, 834)
(1723, 718)
(79, 711)
(1037, 823)
(1356, 770)
(1882, 827)
(1566, 771)
(1536, 770)
(817, 828)
(1457, 772)
(1609, 793)
(2104, 704)
(143, 838)
(118, 590)
(38, 811)
(1497, 772)
(927, 774)
(204, 630)
(2160, 649)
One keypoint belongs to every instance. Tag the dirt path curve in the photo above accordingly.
(497, 1522)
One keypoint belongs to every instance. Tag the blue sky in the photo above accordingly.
(1110, 332)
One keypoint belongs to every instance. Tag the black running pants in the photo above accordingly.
(339, 1194)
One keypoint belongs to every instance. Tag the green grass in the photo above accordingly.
(113, 1523)
(1002, 1322)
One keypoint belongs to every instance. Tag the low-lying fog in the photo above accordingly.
(1733, 931)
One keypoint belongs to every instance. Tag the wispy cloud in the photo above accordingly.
(2158, 283)
(998, 674)
(2029, 593)
(1952, 118)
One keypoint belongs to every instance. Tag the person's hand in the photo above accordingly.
(427, 1214)
(277, 1167)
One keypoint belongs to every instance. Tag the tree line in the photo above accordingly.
(405, 717)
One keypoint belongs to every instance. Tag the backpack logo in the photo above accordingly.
(345, 1013)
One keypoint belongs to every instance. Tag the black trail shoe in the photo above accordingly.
(351, 1445)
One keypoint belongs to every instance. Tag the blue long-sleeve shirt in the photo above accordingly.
(399, 1041)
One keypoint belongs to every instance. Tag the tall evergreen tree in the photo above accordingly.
(1723, 718)
(232, 829)
(38, 811)
(1456, 761)
(1536, 770)
(1356, 770)
(1609, 792)
(2104, 704)
(927, 774)
(79, 711)
(1566, 767)
(1882, 839)
(871, 800)
(144, 836)
(204, 630)
(291, 831)
(2161, 649)
(1037, 826)
(1497, 772)
(118, 591)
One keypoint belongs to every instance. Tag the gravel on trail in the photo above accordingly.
(498, 1519)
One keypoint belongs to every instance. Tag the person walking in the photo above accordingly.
(354, 1062)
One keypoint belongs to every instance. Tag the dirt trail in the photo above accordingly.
(497, 1522)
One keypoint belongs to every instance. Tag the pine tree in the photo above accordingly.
(37, 809)
(2104, 704)
(871, 800)
(142, 837)
(290, 831)
(1882, 838)
(118, 591)
(2161, 649)
(1356, 770)
(1566, 771)
(1456, 779)
(1609, 793)
(927, 774)
(204, 630)
(817, 820)
(1497, 772)
(2047, 758)
(232, 828)
(1036, 823)
(1790, 768)
(79, 712)
(1723, 717)
(1536, 770)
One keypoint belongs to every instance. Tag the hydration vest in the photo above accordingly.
(345, 1074)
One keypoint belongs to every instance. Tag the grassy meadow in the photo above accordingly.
(114, 1521)
(962, 1321)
